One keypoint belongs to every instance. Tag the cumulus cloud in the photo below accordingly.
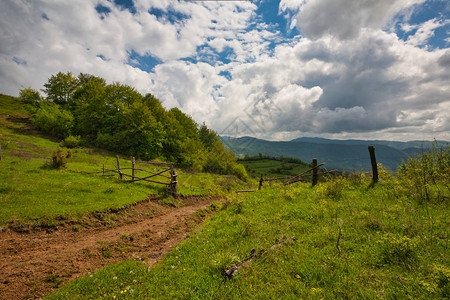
(425, 31)
(346, 75)
(344, 19)
(74, 36)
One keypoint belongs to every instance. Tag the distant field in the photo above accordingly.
(273, 168)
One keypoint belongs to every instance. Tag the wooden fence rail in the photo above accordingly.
(172, 184)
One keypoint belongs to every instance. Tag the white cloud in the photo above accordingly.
(425, 31)
(345, 78)
(344, 19)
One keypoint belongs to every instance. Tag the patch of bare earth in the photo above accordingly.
(36, 264)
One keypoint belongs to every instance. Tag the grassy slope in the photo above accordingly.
(30, 191)
(390, 247)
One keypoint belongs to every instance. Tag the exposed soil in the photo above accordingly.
(35, 264)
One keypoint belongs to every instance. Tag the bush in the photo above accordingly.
(60, 158)
(71, 141)
(426, 177)
(52, 120)
(239, 171)
(221, 161)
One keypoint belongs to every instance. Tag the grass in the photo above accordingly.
(350, 242)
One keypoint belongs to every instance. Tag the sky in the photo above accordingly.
(277, 70)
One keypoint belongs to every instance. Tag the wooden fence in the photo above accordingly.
(293, 179)
(315, 173)
(168, 168)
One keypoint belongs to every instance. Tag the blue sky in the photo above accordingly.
(271, 69)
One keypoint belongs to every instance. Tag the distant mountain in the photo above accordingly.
(350, 155)
(393, 144)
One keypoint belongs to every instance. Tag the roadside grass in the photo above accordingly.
(351, 241)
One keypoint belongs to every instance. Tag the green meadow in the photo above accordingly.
(342, 239)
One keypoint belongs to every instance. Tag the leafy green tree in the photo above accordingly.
(90, 109)
(207, 136)
(118, 118)
(141, 135)
(60, 87)
(156, 108)
(188, 127)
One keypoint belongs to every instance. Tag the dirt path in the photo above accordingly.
(35, 264)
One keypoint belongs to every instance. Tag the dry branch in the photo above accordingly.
(232, 271)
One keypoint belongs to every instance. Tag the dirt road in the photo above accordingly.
(35, 264)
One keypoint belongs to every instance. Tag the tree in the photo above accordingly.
(30, 96)
(207, 136)
(188, 127)
(60, 87)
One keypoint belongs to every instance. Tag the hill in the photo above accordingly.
(349, 155)
(417, 145)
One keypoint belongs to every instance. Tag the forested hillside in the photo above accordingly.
(86, 110)
(348, 155)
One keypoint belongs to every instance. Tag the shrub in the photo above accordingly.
(71, 141)
(426, 177)
(60, 158)
(239, 171)
(52, 120)
(221, 161)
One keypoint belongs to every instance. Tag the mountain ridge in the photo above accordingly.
(348, 155)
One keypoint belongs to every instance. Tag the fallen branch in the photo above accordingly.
(232, 271)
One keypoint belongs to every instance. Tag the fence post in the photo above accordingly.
(118, 167)
(173, 182)
(133, 162)
(260, 182)
(103, 170)
(315, 171)
(374, 164)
